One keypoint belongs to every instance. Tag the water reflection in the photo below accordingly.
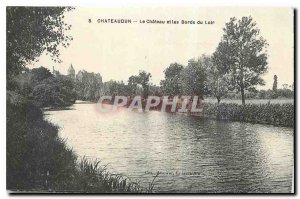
(192, 154)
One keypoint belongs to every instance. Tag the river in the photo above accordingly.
(191, 154)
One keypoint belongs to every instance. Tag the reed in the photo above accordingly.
(274, 114)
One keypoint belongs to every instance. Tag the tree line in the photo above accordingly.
(237, 65)
(136, 85)
(234, 70)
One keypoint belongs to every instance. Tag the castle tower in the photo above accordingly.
(71, 71)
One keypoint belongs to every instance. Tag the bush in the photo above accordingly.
(275, 114)
(55, 92)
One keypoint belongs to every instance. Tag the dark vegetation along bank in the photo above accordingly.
(38, 159)
(275, 114)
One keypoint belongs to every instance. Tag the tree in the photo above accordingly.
(143, 80)
(67, 93)
(39, 74)
(275, 83)
(88, 85)
(171, 84)
(194, 78)
(275, 86)
(285, 86)
(242, 53)
(30, 31)
(115, 88)
(54, 91)
(217, 79)
(133, 82)
(155, 90)
(45, 93)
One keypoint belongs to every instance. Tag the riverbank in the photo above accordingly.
(273, 114)
(278, 114)
(38, 160)
(251, 101)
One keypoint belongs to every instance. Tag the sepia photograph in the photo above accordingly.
(150, 100)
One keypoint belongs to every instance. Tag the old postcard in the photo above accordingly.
(150, 100)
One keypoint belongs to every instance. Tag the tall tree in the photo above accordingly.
(217, 80)
(88, 85)
(32, 30)
(144, 79)
(275, 83)
(194, 78)
(275, 86)
(39, 74)
(133, 82)
(242, 53)
(171, 84)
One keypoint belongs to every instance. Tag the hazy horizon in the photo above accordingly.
(117, 51)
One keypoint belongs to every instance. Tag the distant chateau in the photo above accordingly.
(81, 76)
(88, 85)
(71, 72)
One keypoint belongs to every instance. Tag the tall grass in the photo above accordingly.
(275, 114)
(39, 161)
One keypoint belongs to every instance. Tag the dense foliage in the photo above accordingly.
(204, 77)
(46, 90)
(242, 54)
(88, 85)
(171, 85)
(32, 30)
(137, 85)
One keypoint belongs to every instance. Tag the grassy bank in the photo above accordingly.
(38, 159)
(275, 114)
(252, 101)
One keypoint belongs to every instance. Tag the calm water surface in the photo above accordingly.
(191, 154)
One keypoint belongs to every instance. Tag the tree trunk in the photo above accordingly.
(243, 95)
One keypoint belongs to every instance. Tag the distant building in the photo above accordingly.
(71, 72)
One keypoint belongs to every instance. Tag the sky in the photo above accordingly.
(117, 51)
